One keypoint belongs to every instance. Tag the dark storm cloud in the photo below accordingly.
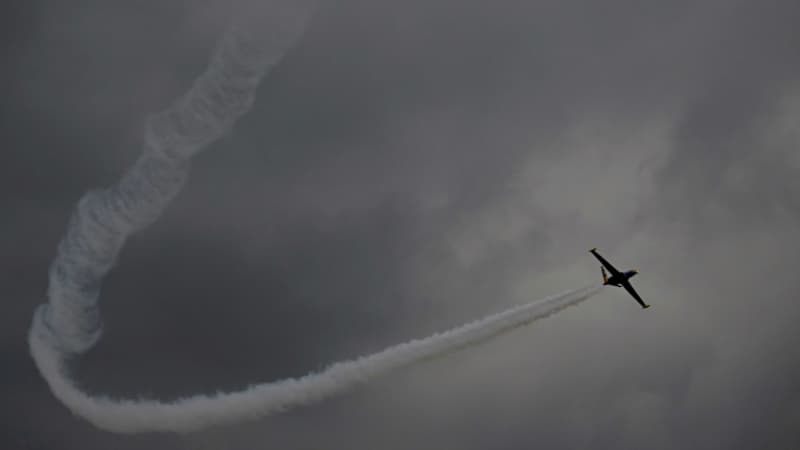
(407, 168)
(751, 62)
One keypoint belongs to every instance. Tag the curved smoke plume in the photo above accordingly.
(202, 411)
(105, 218)
(69, 324)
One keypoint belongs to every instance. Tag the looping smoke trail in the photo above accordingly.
(105, 218)
(202, 411)
(69, 324)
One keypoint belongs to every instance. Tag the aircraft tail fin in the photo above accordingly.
(605, 277)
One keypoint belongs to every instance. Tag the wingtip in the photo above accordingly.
(646, 306)
(593, 249)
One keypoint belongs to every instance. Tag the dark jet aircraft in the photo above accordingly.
(617, 278)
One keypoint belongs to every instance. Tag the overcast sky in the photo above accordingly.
(410, 166)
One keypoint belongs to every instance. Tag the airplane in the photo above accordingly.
(617, 278)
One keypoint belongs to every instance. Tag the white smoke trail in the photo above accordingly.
(202, 411)
(105, 218)
(69, 324)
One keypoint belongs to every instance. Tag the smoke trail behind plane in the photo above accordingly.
(202, 411)
(105, 218)
(69, 324)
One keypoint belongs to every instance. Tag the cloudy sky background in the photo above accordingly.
(410, 166)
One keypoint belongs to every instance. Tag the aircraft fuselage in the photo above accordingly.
(618, 279)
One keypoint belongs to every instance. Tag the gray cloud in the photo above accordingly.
(411, 166)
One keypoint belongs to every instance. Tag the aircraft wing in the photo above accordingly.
(605, 263)
(627, 285)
